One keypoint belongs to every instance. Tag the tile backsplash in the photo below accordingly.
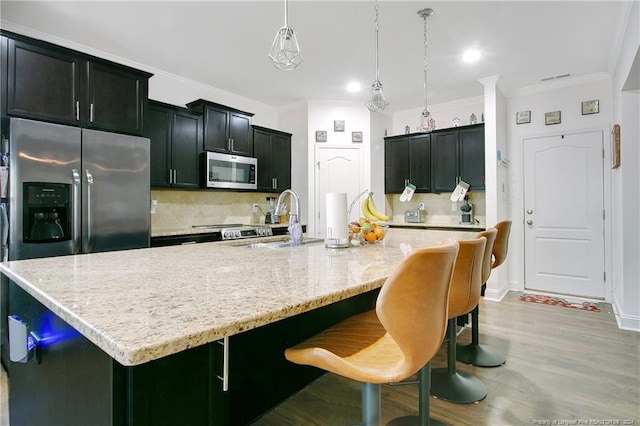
(180, 209)
(437, 207)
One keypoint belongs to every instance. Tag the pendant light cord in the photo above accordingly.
(286, 13)
(377, 26)
(425, 62)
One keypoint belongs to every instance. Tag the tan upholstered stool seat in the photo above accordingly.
(398, 338)
(359, 348)
(475, 353)
(466, 283)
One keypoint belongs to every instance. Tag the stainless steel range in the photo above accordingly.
(237, 233)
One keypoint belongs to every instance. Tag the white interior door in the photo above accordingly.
(564, 214)
(337, 170)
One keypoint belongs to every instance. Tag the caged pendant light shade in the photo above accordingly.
(377, 102)
(426, 123)
(285, 51)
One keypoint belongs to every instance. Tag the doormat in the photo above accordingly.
(559, 301)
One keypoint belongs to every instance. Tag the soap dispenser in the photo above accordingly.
(295, 231)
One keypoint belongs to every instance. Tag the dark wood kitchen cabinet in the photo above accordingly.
(272, 148)
(458, 154)
(226, 129)
(51, 83)
(176, 144)
(407, 159)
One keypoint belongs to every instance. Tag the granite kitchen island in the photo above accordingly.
(188, 334)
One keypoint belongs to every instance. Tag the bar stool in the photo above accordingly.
(395, 340)
(448, 383)
(474, 353)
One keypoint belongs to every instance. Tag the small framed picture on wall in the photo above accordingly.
(591, 107)
(523, 117)
(551, 118)
(356, 137)
(321, 135)
(338, 125)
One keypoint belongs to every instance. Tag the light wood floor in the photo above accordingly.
(564, 366)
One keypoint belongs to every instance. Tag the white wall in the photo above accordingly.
(443, 114)
(294, 119)
(179, 91)
(626, 179)
(566, 97)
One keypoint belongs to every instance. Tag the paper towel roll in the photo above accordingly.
(337, 224)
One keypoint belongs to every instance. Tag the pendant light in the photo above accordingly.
(425, 123)
(285, 52)
(377, 101)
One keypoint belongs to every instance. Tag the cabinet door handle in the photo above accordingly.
(274, 183)
(77, 110)
(91, 108)
(175, 176)
(225, 363)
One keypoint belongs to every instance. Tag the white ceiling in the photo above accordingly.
(224, 44)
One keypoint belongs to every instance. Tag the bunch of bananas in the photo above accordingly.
(370, 212)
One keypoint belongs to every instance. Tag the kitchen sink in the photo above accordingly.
(282, 244)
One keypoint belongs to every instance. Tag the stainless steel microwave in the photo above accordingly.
(229, 171)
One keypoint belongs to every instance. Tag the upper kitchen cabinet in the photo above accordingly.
(407, 159)
(272, 148)
(226, 129)
(176, 144)
(458, 154)
(51, 83)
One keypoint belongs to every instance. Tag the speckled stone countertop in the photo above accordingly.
(460, 226)
(144, 304)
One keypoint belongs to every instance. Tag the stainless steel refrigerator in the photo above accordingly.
(74, 190)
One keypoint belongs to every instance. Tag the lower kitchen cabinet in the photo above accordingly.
(176, 144)
(272, 148)
(185, 388)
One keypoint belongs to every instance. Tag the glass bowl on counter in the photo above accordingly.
(367, 232)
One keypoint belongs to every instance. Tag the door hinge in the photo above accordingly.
(318, 215)
(318, 164)
(604, 276)
(604, 214)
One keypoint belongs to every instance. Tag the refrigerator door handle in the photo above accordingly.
(89, 212)
(76, 211)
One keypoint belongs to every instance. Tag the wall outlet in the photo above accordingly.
(154, 206)
(420, 206)
(255, 207)
(454, 207)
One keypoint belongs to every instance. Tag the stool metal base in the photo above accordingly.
(458, 387)
(476, 354)
(479, 355)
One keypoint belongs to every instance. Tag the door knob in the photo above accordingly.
(529, 222)
(529, 211)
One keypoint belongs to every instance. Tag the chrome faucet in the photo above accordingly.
(295, 208)
(295, 229)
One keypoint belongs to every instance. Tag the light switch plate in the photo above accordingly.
(454, 207)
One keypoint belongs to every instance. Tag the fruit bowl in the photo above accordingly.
(368, 232)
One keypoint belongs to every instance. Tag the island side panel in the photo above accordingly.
(71, 384)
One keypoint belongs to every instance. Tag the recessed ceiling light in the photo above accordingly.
(471, 55)
(354, 86)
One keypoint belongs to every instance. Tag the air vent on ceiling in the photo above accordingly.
(555, 78)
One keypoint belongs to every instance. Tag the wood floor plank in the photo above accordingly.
(564, 365)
